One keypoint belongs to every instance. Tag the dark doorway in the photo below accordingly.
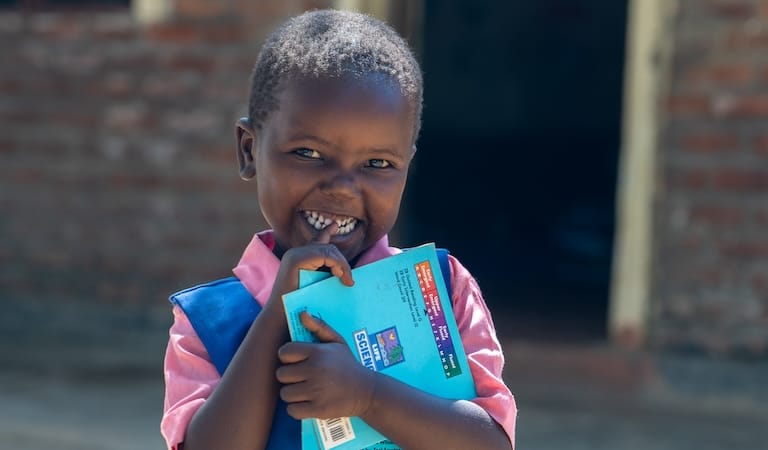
(517, 161)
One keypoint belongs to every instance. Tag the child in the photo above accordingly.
(334, 112)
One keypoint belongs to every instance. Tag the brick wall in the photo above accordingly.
(710, 272)
(118, 180)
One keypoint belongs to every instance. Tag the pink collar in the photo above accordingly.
(258, 266)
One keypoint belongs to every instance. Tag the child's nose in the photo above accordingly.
(342, 183)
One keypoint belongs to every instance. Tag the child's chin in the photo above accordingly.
(345, 240)
(349, 244)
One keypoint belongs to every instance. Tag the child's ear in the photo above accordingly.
(246, 147)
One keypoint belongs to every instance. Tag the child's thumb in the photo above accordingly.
(322, 331)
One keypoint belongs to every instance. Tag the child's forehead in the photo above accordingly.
(368, 112)
(370, 91)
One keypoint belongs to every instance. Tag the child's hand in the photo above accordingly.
(323, 380)
(318, 253)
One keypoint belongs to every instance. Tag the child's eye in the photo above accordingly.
(307, 153)
(379, 163)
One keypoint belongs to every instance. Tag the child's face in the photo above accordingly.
(335, 148)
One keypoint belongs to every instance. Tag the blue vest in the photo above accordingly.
(221, 312)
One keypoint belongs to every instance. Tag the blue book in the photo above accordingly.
(397, 319)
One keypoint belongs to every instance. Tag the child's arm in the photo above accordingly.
(239, 412)
(324, 380)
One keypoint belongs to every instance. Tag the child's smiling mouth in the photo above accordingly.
(319, 221)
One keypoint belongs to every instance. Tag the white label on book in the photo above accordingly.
(334, 432)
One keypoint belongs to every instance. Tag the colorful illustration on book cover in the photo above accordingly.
(437, 319)
(390, 347)
(379, 350)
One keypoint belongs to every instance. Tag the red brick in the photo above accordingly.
(723, 74)
(759, 283)
(174, 33)
(6, 145)
(27, 175)
(190, 33)
(687, 179)
(114, 26)
(761, 217)
(726, 180)
(163, 87)
(706, 275)
(746, 180)
(690, 243)
(717, 215)
(234, 93)
(268, 10)
(127, 116)
(688, 104)
(132, 61)
(199, 63)
(112, 86)
(761, 145)
(20, 116)
(731, 9)
(748, 106)
(58, 26)
(204, 9)
(745, 250)
(710, 141)
(76, 100)
(145, 181)
(216, 155)
(9, 86)
(315, 4)
(225, 33)
(744, 38)
(75, 119)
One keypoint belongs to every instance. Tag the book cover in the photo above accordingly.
(397, 319)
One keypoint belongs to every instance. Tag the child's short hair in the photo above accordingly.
(329, 43)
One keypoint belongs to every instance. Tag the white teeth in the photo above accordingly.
(318, 221)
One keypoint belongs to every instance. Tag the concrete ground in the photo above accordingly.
(579, 397)
(39, 413)
(84, 391)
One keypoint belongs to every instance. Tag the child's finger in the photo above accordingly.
(320, 329)
(291, 373)
(342, 271)
(324, 236)
(294, 392)
(299, 410)
(293, 352)
(332, 257)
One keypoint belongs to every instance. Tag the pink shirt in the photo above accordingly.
(190, 376)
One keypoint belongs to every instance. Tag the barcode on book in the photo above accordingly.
(334, 432)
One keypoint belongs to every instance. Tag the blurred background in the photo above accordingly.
(600, 166)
